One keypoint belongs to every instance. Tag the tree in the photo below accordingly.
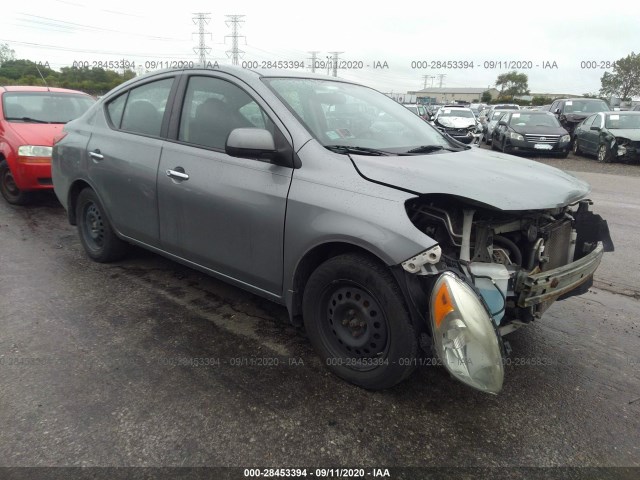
(486, 96)
(6, 53)
(513, 83)
(624, 81)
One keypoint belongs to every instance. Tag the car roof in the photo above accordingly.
(621, 112)
(27, 88)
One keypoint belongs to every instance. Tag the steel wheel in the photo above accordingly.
(9, 188)
(357, 320)
(96, 234)
(356, 325)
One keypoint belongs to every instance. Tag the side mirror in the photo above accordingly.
(557, 110)
(251, 143)
(594, 128)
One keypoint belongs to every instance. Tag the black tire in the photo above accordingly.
(505, 149)
(9, 189)
(604, 155)
(563, 154)
(493, 145)
(96, 234)
(576, 147)
(357, 321)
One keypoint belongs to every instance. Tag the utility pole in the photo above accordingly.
(426, 79)
(234, 21)
(314, 58)
(202, 19)
(335, 62)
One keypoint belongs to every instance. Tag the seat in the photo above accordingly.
(142, 117)
(213, 122)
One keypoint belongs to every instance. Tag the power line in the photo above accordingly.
(202, 19)
(234, 21)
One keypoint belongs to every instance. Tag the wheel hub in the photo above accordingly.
(356, 323)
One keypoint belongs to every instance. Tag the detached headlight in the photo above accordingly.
(464, 336)
(565, 138)
(34, 151)
(515, 136)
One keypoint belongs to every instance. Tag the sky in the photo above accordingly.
(404, 36)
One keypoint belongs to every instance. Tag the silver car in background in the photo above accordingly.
(385, 238)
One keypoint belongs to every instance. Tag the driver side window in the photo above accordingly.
(213, 108)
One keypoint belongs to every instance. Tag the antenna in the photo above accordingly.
(42, 77)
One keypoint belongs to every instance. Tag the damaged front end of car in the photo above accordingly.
(494, 271)
(624, 149)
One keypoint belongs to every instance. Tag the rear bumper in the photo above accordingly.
(536, 288)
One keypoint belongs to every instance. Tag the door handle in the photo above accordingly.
(177, 174)
(96, 155)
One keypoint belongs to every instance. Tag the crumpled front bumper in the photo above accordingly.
(539, 287)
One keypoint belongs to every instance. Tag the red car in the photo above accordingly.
(30, 118)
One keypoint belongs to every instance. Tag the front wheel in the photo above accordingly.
(8, 187)
(576, 147)
(357, 321)
(604, 155)
(96, 234)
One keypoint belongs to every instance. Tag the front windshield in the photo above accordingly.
(338, 113)
(533, 120)
(622, 121)
(577, 106)
(44, 107)
(456, 112)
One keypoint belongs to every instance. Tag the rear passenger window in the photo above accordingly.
(115, 109)
(145, 106)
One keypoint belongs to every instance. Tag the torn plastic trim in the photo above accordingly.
(416, 264)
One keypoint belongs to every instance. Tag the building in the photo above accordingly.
(449, 95)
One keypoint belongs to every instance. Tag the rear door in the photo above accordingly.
(124, 155)
(221, 212)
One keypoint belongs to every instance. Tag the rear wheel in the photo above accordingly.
(604, 155)
(8, 187)
(96, 234)
(357, 321)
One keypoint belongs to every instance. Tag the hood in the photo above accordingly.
(36, 133)
(576, 117)
(524, 130)
(501, 181)
(456, 122)
(632, 134)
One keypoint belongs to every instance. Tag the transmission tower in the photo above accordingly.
(441, 77)
(234, 21)
(335, 62)
(202, 19)
(314, 58)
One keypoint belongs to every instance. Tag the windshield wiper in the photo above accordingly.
(357, 150)
(432, 148)
(27, 119)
